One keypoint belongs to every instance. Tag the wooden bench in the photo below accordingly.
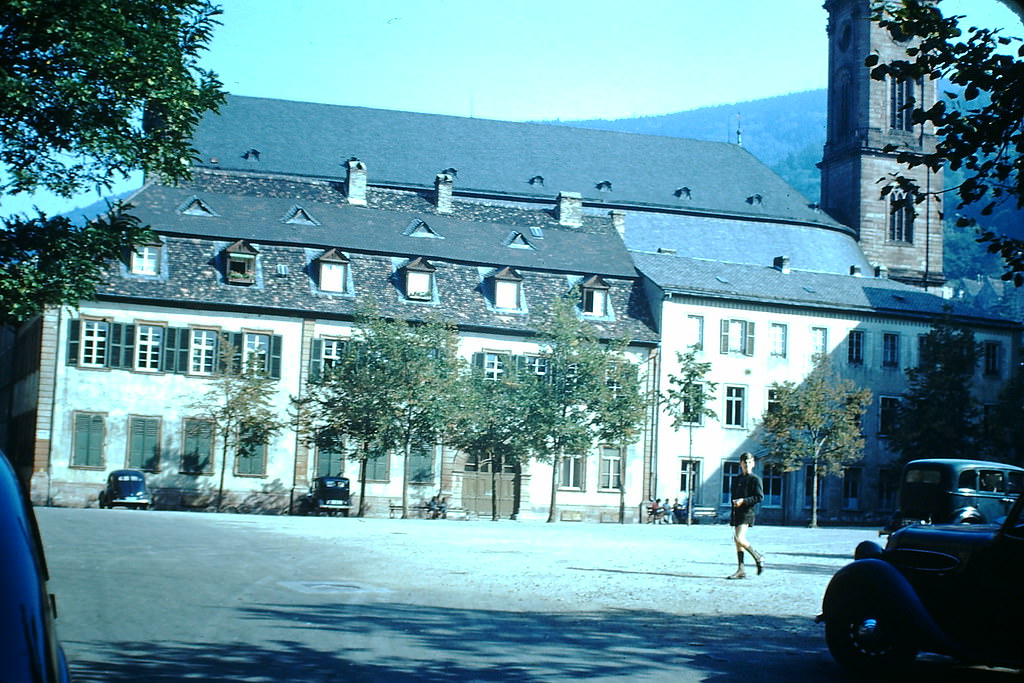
(421, 510)
(710, 513)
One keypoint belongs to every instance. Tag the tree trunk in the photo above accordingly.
(814, 494)
(407, 448)
(362, 481)
(495, 468)
(223, 469)
(557, 460)
(689, 482)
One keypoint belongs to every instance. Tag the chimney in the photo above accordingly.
(881, 271)
(443, 185)
(619, 222)
(570, 209)
(355, 182)
(855, 271)
(782, 264)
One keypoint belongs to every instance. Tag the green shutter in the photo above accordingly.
(275, 356)
(74, 332)
(316, 360)
(144, 443)
(748, 348)
(128, 348)
(88, 447)
(198, 446)
(724, 336)
(115, 343)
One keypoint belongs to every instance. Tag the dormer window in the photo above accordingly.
(145, 258)
(508, 289)
(333, 271)
(241, 263)
(419, 280)
(594, 291)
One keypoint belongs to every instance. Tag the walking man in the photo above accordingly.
(746, 493)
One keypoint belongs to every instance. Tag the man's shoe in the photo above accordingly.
(738, 574)
(759, 561)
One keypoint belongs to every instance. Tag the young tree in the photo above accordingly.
(91, 91)
(816, 422)
(239, 405)
(687, 402)
(574, 405)
(939, 416)
(983, 135)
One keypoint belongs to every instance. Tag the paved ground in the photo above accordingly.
(167, 596)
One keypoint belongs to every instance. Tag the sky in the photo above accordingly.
(523, 60)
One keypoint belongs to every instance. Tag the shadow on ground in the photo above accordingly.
(389, 642)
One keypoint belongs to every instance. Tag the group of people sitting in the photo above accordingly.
(666, 512)
(437, 508)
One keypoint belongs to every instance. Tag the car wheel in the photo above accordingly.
(865, 639)
(344, 513)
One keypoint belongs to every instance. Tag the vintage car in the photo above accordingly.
(952, 491)
(953, 589)
(127, 488)
(29, 649)
(327, 495)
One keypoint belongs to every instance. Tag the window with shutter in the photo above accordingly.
(144, 443)
(197, 447)
(87, 446)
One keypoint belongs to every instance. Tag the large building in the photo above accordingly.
(299, 211)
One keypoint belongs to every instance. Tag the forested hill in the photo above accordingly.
(786, 132)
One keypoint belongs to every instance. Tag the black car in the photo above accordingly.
(127, 488)
(29, 649)
(953, 491)
(327, 495)
(954, 589)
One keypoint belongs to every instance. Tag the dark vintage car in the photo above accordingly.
(327, 495)
(954, 589)
(951, 491)
(127, 488)
(29, 649)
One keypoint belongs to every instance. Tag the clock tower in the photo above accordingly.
(864, 116)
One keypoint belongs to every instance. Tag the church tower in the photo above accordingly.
(865, 115)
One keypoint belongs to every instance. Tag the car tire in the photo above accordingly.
(865, 638)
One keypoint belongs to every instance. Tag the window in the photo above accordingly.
(332, 351)
(993, 352)
(87, 446)
(695, 331)
(492, 364)
(888, 488)
(241, 263)
(855, 347)
(536, 365)
(773, 403)
(735, 398)
(197, 447)
(145, 259)
(421, 465)
(255, 350)
(888, 414)
(251, 454)
(419, 280)
(737, 336)
(730, 470)
(901, 218)
(570, 472)
(507, 289)
(144, 443)
(779, 334)
(148, 342)
(819, 341)
(94, 343)
(890, 350)
(333, 271)
(202, 352)
(377, 465)
(689, 475)
(809, 486)
(901, 103)
(852, 477)
(611, 469)
(595, 296)
(687, 414)
(772, 480)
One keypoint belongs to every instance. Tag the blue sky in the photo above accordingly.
(525, 59)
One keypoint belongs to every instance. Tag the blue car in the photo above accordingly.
(29, 650)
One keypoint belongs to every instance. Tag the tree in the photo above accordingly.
(393, 389)
(575, 404)
(982, 135)
(686, 401)
(816, 422)
(239, 406)
(91, 91)
(938, 414)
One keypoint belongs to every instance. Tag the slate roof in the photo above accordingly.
(408, 149)
(768, 285)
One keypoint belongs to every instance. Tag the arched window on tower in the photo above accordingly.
(901, 103)
(901, 218)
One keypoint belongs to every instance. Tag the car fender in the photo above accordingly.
(968, 515)
(876, 580)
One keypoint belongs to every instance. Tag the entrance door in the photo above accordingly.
(476, 488)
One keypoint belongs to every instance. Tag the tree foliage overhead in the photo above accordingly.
(939, 416)
(91, 91)
(980, 132)
(817, 423)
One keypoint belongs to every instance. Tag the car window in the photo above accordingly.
(1016, 482)
(990, 481)
(923, 476)
(968, 480)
